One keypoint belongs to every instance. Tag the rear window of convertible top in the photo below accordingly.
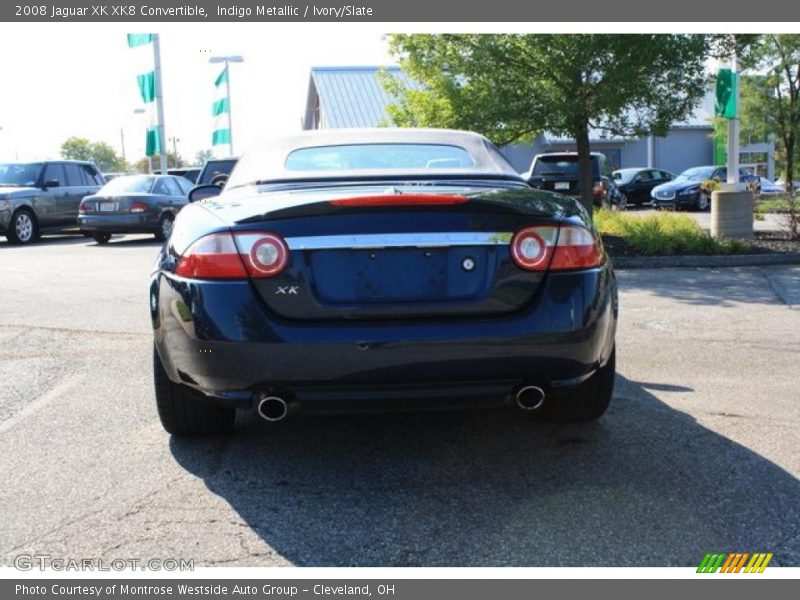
(379, 156)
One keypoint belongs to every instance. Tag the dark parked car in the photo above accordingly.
(216, 171)
(382, 269)
(559, 172)
(692, 188)
(637, 183)
(43, 197)
(190, 173)
(134, 204)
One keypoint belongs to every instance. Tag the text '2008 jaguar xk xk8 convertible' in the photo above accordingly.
(385, 269)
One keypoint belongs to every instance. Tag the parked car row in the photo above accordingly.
(58, 196)
(692, 188)
(559, 172)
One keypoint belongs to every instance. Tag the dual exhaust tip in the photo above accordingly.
(274, 408)
(530, 397)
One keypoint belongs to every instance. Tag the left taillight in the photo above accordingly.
(599, 189)
(82, 207)
(234, 256)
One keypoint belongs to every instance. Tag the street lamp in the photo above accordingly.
(175, 141)
(228, 59)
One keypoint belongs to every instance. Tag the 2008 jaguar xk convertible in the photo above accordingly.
(375, 270)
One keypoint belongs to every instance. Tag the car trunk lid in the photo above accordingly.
(396, 256)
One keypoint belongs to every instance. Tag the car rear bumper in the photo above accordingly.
(119, 223)
(676, 202)
(219, 338)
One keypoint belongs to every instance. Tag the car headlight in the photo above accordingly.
(688, 192)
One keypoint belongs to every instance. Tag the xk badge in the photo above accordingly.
(289, 290)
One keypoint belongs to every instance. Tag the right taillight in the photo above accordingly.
(556, 249)
(234, 256)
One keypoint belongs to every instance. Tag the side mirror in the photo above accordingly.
(51, 183)
(201, 192)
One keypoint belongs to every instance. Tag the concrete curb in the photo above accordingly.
(707, 262)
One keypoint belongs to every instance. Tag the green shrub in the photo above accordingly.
(663, 233)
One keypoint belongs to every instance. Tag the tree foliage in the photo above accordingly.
(143, 165)
(103, 155)
(775, 60)
(202, 156)
(512, 87)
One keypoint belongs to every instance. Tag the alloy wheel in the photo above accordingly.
(23, 227)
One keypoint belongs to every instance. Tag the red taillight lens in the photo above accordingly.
(138, 207)
(401, 200)
(556, 249)
(268, 255)
(598, 189)
(82, 207)
(234, 256)
(577, 248)
(532, 248)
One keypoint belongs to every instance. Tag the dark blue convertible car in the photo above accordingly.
(375, 270)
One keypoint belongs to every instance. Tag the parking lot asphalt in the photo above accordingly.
(698, 452)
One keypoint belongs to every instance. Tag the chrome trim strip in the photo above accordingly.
(399, 240)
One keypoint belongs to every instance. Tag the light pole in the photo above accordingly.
(227, 60)
(175, 141)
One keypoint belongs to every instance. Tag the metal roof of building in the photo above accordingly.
(353, 96)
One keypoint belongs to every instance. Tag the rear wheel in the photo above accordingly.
(100, 237)
(589, 401)
(182, 412)
(23, 228)
(165, 227)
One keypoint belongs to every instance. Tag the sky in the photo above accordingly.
(79, 79)
(62, 80)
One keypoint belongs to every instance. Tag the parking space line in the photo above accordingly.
(42, 401)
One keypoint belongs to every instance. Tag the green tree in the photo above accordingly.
(511, 87)
(143, 165)
(776, 60)
(202, 156)
(103, 155)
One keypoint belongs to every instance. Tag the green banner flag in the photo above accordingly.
(139, 39)
(222, 77)
(725, 105)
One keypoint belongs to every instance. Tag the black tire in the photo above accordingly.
(100, 237)
(23, 227)
(183, 411)
(164, 226)
(589, 401)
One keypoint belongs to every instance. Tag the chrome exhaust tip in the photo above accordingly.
(272, 408)
(530, 397)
